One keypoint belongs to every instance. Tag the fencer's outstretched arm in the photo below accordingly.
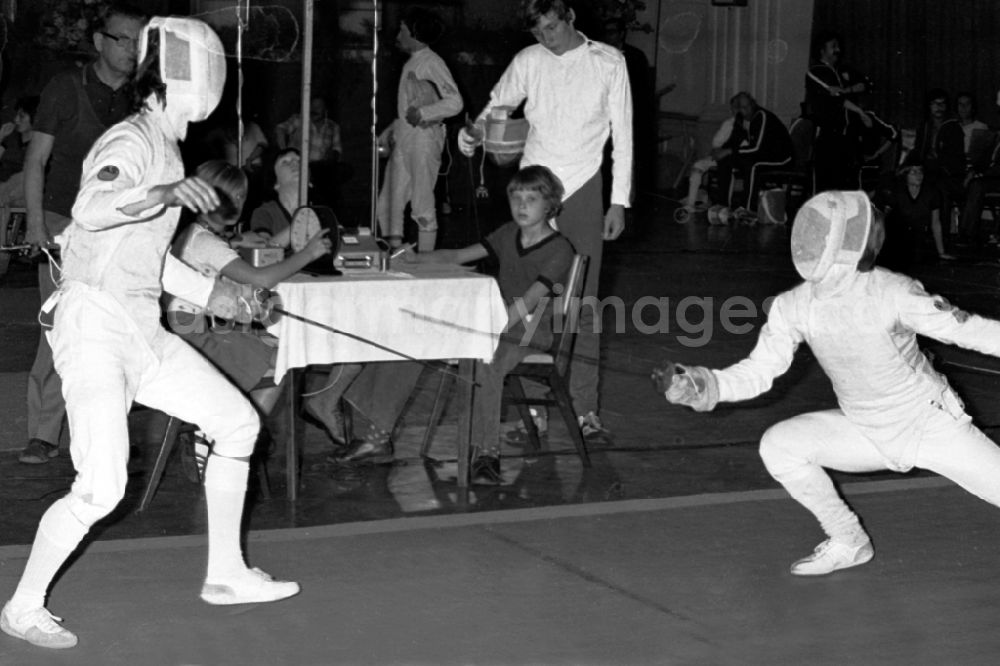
(934, 317)
(770, 358)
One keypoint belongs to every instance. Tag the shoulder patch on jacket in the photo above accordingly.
(961, 316)
(108, 173)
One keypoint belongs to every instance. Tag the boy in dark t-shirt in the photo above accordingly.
(534, 262)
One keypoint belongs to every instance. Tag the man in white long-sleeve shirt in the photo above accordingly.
(576, 94)
(427, 96)
(895, 412)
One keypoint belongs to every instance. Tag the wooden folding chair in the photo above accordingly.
(549, 368)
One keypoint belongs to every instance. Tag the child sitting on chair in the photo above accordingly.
(239, 352)
(534, 262)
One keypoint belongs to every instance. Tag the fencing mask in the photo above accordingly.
(192, 65)
(832, 228)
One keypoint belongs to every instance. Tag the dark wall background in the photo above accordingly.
(910, 46)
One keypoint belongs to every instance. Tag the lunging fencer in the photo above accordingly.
(109, 346)
(895, 411)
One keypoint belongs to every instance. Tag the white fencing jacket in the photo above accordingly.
(865, 339)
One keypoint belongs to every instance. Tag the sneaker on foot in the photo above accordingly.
(485, 471)
(37, 626)
(832, 555)
(38, 451)
(592, 428)
(251, 586)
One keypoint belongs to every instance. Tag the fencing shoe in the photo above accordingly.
(250, 586)
(832, 555)
(37, 626)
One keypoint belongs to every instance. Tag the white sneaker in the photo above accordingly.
(37, 626)
(252, 586)
(832, 555)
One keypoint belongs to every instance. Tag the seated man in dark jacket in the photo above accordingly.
(765, 145)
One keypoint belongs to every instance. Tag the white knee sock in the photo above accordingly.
(813, 489)
(59, 533)
(225, 491)
(426, 240)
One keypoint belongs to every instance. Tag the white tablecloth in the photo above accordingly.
(427, 313)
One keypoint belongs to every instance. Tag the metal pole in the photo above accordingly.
(307, 51)
(374, 190)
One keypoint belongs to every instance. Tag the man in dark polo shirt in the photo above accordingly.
(75, 109)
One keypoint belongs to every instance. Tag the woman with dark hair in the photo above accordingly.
(14, 138)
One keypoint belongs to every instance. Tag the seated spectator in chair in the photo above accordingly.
(913, 209)
(980, 181)
(726, 138)
(14, 138)
(966, 108)
(534, 261)
(940, 149)
(242, 354)
(767, 144)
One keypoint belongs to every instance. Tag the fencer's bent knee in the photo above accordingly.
(238, 439)
(88, 508)
(775, 451)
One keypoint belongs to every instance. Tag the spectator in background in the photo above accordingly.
(76, 107)
(966, 109)
(982, 180)
(829, 87)
(325, 149)
(940, 148)
(766, 144)
(14, 138)
(426, 96)
(913, 209)
(729, 135)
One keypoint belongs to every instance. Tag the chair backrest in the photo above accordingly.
(802, 132)
(567, 312)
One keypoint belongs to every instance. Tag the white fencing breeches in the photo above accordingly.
(105, 363)
(795, 452)
(410, 177)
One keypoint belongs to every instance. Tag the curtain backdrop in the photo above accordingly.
(910, 46)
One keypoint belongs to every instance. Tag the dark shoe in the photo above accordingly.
(332, 422)
(38, 451)
(486, 471)
(374, 449)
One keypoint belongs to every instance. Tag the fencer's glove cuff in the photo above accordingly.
(695, 387)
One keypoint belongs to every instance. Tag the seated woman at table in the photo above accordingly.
(244, 355)
(533, 259)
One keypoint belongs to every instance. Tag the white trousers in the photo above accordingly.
(796, 451)
(410, 177)
(106, 363)
(698, 170)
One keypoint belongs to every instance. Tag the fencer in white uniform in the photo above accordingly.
(110, 348)
(895, 411)
(427, 96)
